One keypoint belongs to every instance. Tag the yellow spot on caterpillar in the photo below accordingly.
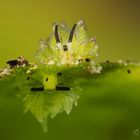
(51, 82)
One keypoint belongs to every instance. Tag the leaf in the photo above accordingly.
(44, 104)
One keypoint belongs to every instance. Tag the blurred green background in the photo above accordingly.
(115, 24)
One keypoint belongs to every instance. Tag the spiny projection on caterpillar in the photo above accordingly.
(49, 86)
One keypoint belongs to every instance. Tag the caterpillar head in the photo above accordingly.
(67, 47)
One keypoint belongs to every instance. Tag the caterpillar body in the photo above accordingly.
(65, 48)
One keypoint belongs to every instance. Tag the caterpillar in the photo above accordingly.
(63, 49)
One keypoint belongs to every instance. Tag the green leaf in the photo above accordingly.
(44, 104)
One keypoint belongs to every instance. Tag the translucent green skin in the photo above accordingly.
(52, 58)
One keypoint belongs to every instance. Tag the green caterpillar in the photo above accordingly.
(65, 48)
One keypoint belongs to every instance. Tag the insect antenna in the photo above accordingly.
(71, 33)
(56, 34)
